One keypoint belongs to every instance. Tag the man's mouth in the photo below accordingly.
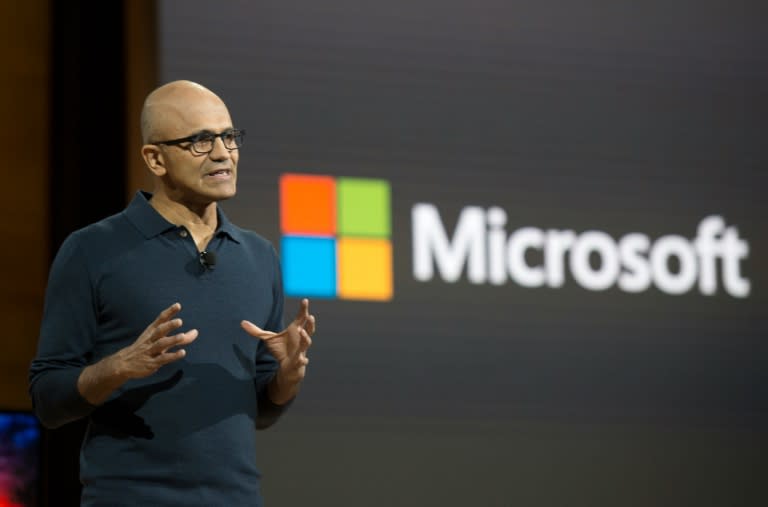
(221, 173)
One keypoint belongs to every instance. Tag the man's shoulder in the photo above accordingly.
(100, 239)
(106, 229)
(253, 239)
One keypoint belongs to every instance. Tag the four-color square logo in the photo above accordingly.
(335, 237)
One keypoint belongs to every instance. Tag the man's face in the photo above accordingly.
(194, 178)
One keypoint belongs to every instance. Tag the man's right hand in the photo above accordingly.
(151, 350)
(153, 347)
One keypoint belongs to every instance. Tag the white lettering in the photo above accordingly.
(557, 244)
(480, 245)
(431, 243)
(497, 236)
(708, 248)
(673, 246)
(734, 249)
(603, 245)
(519, 270)
(637, 274)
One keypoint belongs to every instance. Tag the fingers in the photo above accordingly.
(167, 314)
(304, 319)
(310, 325)
(169, 357)
(299, 358)
(163, 324)
(162, 330)
(305, 341)
(157, 335)
(165, 356)
(303, 313)
(161, 346)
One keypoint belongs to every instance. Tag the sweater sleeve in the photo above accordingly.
(66, 339)
(266, 364)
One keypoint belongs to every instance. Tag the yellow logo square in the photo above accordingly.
(364, 268)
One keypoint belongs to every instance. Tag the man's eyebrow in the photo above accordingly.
(211, 132)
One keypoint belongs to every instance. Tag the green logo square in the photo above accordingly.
(363, 207)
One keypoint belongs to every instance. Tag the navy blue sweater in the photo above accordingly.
(186, 434)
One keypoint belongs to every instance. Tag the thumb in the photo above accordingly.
(255, 331)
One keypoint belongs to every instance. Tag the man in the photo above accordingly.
(163, 326)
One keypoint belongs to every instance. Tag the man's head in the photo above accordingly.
(182, 112)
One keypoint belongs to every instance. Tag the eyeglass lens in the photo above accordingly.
(232, 140)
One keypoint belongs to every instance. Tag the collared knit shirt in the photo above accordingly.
(186, 434)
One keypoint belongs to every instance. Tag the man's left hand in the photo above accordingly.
(290, 345)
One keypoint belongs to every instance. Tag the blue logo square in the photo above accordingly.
(309, 266)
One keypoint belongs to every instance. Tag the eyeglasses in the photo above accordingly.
(202, 142)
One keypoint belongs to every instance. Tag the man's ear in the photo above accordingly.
(154, 159)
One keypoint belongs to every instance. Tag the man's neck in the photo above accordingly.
(200, 222)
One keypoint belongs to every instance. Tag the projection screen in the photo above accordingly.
(532, 233)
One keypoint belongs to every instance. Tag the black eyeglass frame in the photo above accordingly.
(194, 138)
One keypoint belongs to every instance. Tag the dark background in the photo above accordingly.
(569, 115)
(615, 116)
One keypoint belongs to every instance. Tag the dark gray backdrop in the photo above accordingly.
(617, 116)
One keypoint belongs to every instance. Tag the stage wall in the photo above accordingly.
(542, 277)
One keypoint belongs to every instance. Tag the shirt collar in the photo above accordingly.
(151, 223)
(227, 227)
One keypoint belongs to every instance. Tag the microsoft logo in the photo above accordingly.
(335, 237)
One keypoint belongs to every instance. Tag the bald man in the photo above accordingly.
(163, 326)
